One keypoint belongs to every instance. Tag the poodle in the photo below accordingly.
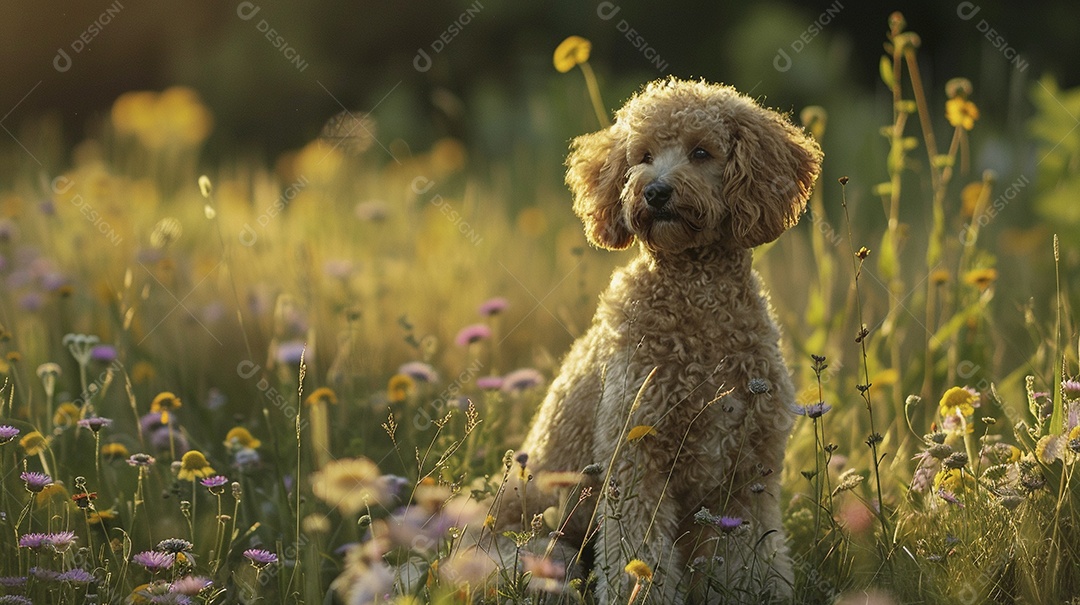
(678, 393)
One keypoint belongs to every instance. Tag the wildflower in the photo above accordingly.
(349, 484)
(246, 459)
(493, 306)
(103, 353)
(849, 480)
(419, 371)
(400, 387)
(114, 451)
(758, 386)
(67, 414)
(214, 484)
(61, 541)
(489, 383)
(956, 460)
(472, 334)
(289, 353)
(948, 479)
(194, 466)
(958, 401)
(76, 576)
(961, 113)
(174, 546)
(522, 380)
(48, 373)
(141, 460)
(949, 497)
(34, 443)
(322, 395)
(239, 438)
(981, 278)
(35, 482)
(164, 403)
(640, 432)
(817, 410)
(190, 585)
(95, 423)
(7, 433)
(15, 599)
(33, 541)
(729, 524)
(154, 560)
(84, 499)
(1071, 388)
(1049, 448)
(100, 517)
(571, 52)
(13, 581)
(260, 558)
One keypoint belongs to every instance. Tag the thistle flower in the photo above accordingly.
(33, 541)
(260, 558)
(190, 585)
(7, 433)
(35, 482)
(522, 380)
(141, 460)
(95, 423)
(194, 466)
(154, 560)
(174, 546)
(729, 524)
(76, 576)
(493, 306)
(163, 404)
(419, 371)
(472, 334)
(489, 383)
(239, 438)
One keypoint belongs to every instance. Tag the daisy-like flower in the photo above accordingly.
(163, 404)
(349, 484)
(958, 401)
(400, 387)
(472, 334)
(571, 52)
(260, 558)
(154, 560)
(981, 278)
(419, 371)
(114, 451)
(215, 484)
(76, 576)
(194, 466)
(95, 423)
(322, 395)
(239, 437)
(141, 460)
(174, 546)
(7, 433)
(61, 541)
(33, 541)
(35, 482)
(33, 443)
(67, 414)
(493, 306)
(522, 380)
(190, 585)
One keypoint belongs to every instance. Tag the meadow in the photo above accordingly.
(278, 384)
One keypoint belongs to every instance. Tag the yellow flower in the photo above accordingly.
(114, 451)
(639, 569)
(401, 386)
(950, 480)
(961, 113)
(957, 401)
(50, 492)
(238, 437)
(34, 443)
(571, 52)
(640, 432)
(939, 276)
(194, 466)
(322, 395)
(1015, 454)
(969, 198)
(66, 414)
(142, 372)
(163, 404)
(981, 278)
(350, 484)
(101, 516)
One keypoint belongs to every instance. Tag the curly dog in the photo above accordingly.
(679, 392)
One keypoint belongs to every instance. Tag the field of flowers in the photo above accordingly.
(306, 382)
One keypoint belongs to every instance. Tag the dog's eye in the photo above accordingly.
(647, 158)
(699, 154)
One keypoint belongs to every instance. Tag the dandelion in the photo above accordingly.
(163, 404)
(570, 53)
(472, 334)
(34, 443)
(95, 423)
(260, 558)
(7, 433)
(400, 387)
(35, 482)
(493, 306)
(419, 371)
(239, 438)
(322, 395)
(349, 484)
(194, 466)
(154, 560)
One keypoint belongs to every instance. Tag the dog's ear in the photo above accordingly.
(596, 174)
(770, 172)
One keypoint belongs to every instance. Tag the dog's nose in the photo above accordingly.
(657, 194)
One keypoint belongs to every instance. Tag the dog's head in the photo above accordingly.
(690, 164)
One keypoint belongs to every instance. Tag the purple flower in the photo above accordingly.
(729, 524)
(152, 421)
(160, 439)
(103, 353)
(522, 380)
(174, 546)
(215, 483)
(33, 541)
(489, 383)
(141, 460)
(31, 301)
(288, 353)
(78, 576)
(7, 433)
(13, 581)
(47, 575)
(190, 585)
(246, 459)
(473, 333)
(1071, 388)
(35, 482)
(15, 599)
(95, 423)
(215, 399)
(154, 560)
(419, 371)
(493, 306)
(61, 540)
(949, 497)
(814, 410)
(259, 557)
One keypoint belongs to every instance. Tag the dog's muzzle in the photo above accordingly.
(657, 194)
